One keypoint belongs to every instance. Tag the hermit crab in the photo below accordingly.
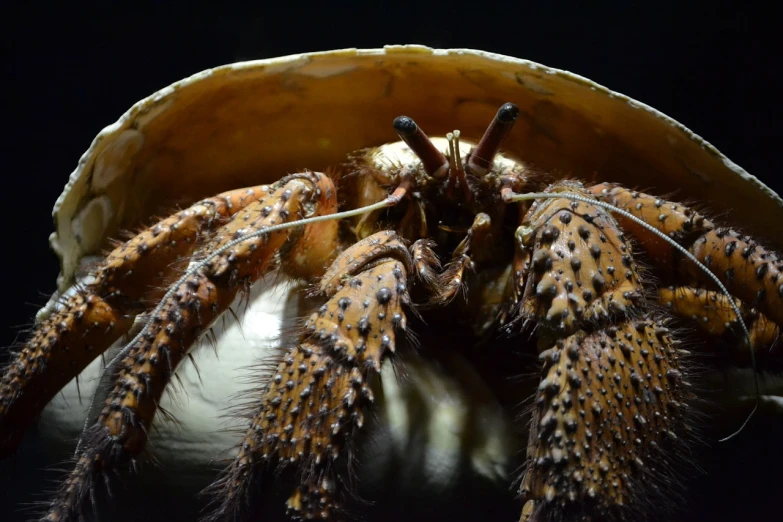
(543, 271)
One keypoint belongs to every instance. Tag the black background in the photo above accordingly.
(68, 73)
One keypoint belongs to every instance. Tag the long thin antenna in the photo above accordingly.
(509, 196)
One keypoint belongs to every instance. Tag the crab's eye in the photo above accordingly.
(434, 162)
(482, 156)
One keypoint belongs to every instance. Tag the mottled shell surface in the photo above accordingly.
(252, 122)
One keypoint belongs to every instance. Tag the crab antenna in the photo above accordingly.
(481, 158)
(434, 162)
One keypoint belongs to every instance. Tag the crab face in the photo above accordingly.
(421, 272)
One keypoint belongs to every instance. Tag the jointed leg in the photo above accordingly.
(610, 405)
(86, 322)
(318, 396)
(747, 269)
(711, 312)
(199, 298)
(608, 409)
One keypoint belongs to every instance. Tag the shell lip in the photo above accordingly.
(67, 245)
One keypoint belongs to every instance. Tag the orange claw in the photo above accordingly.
(87, 322)
(120, 433)
(609, 407)
(609, 411)
(316, 398)
(575, 266)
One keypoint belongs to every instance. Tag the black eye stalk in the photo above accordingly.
(480, 161)
(434, 162)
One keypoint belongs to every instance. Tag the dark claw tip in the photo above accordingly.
(404, 125)
(508, 113)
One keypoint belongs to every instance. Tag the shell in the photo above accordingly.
(252, 122)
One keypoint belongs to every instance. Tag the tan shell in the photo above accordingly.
(252, 122)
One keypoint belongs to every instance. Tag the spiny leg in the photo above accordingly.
(88, 320)
(604, 372)
(318, 396)
(609, 415)
(748, 270)
(697, 260)
(199, 298)
(580, 265)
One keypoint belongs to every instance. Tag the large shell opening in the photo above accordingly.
(253, 122)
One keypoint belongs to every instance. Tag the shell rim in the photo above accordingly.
(293, 61)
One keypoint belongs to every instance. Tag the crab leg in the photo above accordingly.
(609, 415)
(575, 266)
(317, 397)
(86, 322)
(610, 401)
(120, 433)
(451, 280)
(711, 312)
(748, 270)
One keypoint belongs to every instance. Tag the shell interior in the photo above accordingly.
(253, 122)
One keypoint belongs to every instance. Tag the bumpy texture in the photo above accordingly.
(318, 393)
(609, 410)
(611, 419)
(582, 267)
(84, 324)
